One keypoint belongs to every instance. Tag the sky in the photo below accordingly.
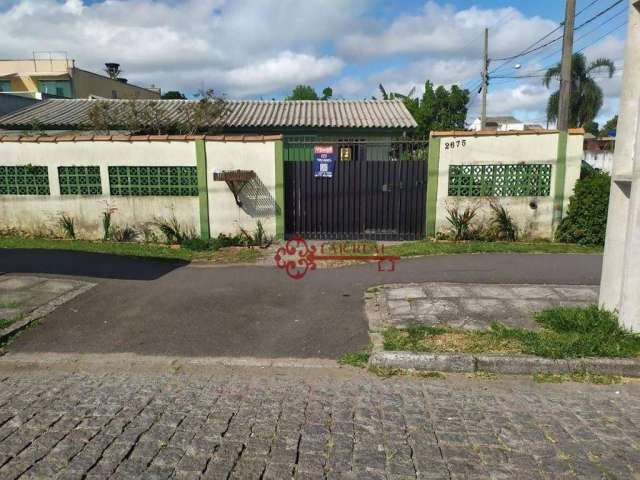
(261, 49)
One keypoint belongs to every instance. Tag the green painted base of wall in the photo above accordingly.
(203, 189)
(279, 166)
(432, 185)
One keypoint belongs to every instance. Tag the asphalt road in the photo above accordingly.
(161, 308)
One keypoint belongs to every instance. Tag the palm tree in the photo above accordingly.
(586, 94)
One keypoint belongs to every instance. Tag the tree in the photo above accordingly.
(608, 126)
(592, 127)
(303, 92)
(586, 94)
(173, 95)
(327, 93)
(150, 117)
(439, 109)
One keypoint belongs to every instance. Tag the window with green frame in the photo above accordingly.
(24, 180)
(151, 181)
(61, 88)
(514, 180)
(5, 85)
(80, 180)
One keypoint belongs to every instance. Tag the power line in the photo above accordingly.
(531, 48)
(586, 34)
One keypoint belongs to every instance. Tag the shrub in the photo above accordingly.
(502, 222)
(461, 221)
(586, 220)
(171, 229)
(68, 225)
(123, 234)
(106, 222)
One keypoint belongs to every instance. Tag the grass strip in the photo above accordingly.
(567, 332)
(429, 247)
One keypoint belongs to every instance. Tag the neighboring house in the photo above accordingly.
(61, 78)
(297, 120)
(598, 152)
(501, 124)
(10, 102)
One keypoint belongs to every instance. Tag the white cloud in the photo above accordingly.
(286, 70)
(265, 47)
(233, 46)
(442, 30)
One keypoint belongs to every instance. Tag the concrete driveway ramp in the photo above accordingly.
(471, 306)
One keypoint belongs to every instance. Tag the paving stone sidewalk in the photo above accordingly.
(470, 306)
(313, 424)
(25, 296)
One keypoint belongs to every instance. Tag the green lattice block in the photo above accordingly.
(499, 180)
(24, 180)
(80, 180)
(154, 181)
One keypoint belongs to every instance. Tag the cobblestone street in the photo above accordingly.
(310, 423)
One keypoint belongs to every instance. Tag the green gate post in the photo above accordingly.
(203, 190)
(279, 166)
(433, 171)
(561, 169)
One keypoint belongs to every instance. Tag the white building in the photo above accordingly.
(501, 124)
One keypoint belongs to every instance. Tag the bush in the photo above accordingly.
(503, 224)
(461, 221)
(586, 220)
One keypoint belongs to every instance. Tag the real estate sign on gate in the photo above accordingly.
(324, 160)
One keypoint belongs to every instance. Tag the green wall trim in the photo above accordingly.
(561, 170)
(432, 185)
(279, 166)
(203, 189)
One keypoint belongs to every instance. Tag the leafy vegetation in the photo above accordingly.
(503, 224)
(355, 359)
(68, 225)
(150, 117)
(431, 247)
(586, 95)
(578, 377)
(586, 220)
(565, 333)
(461, 221)
(439, 109)
(307, 92)
(217, 254)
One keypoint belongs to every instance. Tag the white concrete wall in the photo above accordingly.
(258, 197)
(600, 159)
(508, 149)
(36, 213)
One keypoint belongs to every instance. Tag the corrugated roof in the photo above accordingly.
(73, 114)
(137, 138)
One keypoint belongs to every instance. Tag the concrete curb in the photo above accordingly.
(45, 309)
(503, 364)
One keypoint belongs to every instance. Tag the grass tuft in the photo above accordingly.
(578, 377)
(355, 359)
(566, 333)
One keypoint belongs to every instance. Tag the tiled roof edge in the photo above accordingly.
(493, 133)
(138, 138)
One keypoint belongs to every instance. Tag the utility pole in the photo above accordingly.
(563, 111)
(565, 68)
(485, 80)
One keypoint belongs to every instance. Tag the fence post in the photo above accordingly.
(433, 171)
(279, 167)
(203, 190)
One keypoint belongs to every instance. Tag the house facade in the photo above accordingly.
(59, 77)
